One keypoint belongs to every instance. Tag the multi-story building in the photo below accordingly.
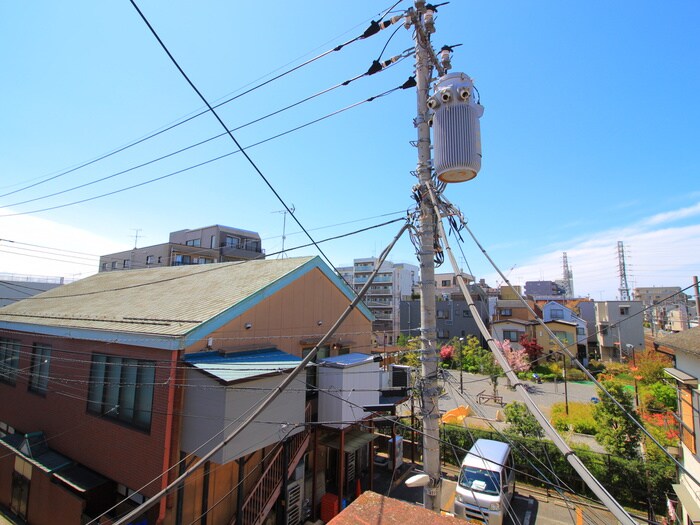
(14, 287)
(453, 316)
(394, 282)
(110, 382)
(685, 346)
(536, 289)
(206, 245)
(619, 327)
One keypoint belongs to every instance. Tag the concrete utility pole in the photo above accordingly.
(422, 19)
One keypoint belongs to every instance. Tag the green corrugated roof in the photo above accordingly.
(169, 301)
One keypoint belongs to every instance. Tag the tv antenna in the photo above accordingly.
(284, 213)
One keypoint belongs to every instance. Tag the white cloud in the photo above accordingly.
(674, 215)
(654, 257)
(33, 246)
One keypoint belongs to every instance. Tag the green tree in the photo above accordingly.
(522, 421)
(616, 431)
(489, 367)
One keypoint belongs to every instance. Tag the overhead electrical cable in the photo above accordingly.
(391, 62)
(274, 394)
(367, 33)
(596, 487)
(406, 85)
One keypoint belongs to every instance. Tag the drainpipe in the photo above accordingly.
(169, 436)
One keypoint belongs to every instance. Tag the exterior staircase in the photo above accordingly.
(259, 502)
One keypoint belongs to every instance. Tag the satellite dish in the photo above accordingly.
(419, 480)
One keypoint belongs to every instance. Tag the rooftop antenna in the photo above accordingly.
(284, 213)
(136, 235)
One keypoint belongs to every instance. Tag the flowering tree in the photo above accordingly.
(518, 360)
(447, 352)
(533, 350)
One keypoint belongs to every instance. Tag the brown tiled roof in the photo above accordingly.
(374, 509)
(687, 341)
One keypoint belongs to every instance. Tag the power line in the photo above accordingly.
(200, 143)
(209, 161)
(198, 114)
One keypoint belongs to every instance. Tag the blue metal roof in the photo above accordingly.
(241, 366)
(347, 360)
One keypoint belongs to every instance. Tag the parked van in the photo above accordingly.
(486, 482)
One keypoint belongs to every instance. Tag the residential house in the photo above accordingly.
(393, 283)
(619, 327)
(110, 381)
(686, 347)
(206, 245)
(512, 330)
(507, 309)
(554, 311)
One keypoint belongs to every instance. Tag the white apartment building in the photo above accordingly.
(395, 281)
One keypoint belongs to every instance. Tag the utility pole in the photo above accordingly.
(422, 20)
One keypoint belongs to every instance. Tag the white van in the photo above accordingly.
(486, 482)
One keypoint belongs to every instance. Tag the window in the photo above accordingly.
(182, 259)
(114, 265)
(104, 266)
(232, 242)
(443, 314)
(557, 313)
(39, 370)
(512, 335)
(125, 263)
(580, 331)
(193, 242)
(506, 312)
(466, 313)
(624, 310)
(9, 360)
(122, 388)
(160, 259)
(252, 245)
(149, 259)
(446, 282)
(212, 242)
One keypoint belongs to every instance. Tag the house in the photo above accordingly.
(619, 327)
(512, 330)
(554, 311)
(206, 245)
(686, 347)
(110, 381)
(515, 309)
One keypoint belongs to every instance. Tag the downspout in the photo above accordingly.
(169, 436)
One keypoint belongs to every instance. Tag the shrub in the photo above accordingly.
(659, 397)
(575, 374)
(580, 418)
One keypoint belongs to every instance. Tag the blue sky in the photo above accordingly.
(589, 133)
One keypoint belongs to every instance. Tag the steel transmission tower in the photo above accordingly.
(622, 269)
(567, 276)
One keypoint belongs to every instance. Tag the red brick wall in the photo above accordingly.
(51, 504)
(127, 455)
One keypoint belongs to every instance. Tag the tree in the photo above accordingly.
(517, 359)
(447, 353)
(616, 431)
(650, 366)
(533, 350)
(489, 367)
(522, 421)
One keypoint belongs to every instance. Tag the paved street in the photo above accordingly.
(484, 415)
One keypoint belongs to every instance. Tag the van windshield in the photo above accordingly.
(480, 480)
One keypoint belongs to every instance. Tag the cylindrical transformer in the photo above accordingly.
(456, 131)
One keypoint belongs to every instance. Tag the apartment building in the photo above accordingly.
(394, 282)
(206, 245)
(112, 380)
(619, 327)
